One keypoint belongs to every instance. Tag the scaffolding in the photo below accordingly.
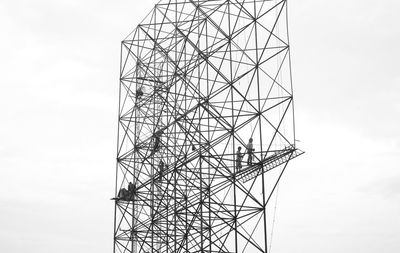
(198, 79)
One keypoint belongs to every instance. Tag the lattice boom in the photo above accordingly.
(198, 80)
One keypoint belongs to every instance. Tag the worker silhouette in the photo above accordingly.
(250, 151)
(239, 157)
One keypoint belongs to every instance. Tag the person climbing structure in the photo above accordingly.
(131, 190)
(239, 157)
(161, 166)
(250, 151)
(139, 93)
(156, 137)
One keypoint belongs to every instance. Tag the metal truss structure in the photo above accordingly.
(198, 80)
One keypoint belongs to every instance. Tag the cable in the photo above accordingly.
(273, 221)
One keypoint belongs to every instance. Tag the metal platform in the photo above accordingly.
(279, 157)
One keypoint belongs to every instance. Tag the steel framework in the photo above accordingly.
(198, 79)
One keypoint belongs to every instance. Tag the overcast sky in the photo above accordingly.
(59, 64)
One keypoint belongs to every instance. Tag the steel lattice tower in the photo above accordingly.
(198, 79)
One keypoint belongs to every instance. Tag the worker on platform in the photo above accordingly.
(239, 157)
(123, 194)
(250, 151)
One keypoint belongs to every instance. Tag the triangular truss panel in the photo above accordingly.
(198, 80)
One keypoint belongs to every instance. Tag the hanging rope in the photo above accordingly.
(280, 93)
(247, 70)
(273, 221)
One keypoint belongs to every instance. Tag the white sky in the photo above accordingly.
(59, 63)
